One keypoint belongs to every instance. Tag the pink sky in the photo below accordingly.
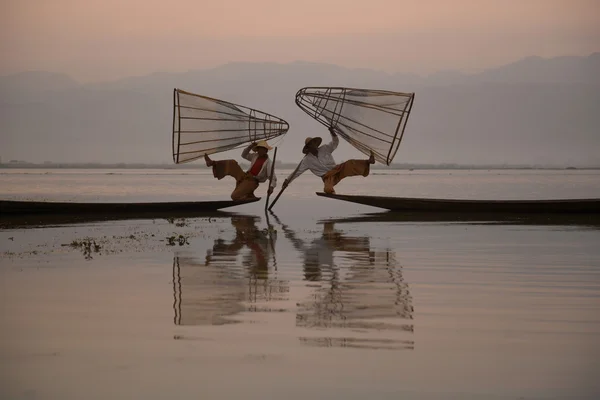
(105, 39)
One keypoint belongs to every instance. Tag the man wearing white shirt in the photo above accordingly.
(246, 182)
(320, 162)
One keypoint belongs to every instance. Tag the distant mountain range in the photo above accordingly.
(532, 112)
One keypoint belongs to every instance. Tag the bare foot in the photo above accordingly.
(209, 162)
(372, 158)
(248, 197)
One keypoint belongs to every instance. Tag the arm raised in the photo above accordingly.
(246, 153)
(331, 146)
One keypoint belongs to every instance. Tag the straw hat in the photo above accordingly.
(310, 139)
(264, 144)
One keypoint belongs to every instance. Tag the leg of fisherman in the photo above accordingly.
(245, 185)
(344, 170)
(244, 188)
(224, 168)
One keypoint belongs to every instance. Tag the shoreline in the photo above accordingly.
(292, 166)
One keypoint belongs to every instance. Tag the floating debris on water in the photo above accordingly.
(87, 246)
(172, 240)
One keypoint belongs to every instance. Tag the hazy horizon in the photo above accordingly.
(432, 73)
(533, 112)
(106, 40)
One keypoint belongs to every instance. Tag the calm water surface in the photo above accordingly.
(319, 300)
(172, 185)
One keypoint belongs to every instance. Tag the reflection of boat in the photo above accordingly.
(566, 206)
(591, 220)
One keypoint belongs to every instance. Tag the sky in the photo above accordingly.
(98, 40)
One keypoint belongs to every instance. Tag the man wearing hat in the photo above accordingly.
(246, 182)
(321, 163)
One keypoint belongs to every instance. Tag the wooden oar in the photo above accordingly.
(271, 178)
(283, 188)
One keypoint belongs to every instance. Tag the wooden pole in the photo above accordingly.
(283, 188)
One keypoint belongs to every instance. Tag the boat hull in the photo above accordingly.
(10, 207)
(567, 206)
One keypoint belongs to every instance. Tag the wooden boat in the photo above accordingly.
(12, 208)
(567, 206)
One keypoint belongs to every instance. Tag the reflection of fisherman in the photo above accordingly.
(321, 163)
(362, 289)
(319, 253)
(260, 243)
(246, 182)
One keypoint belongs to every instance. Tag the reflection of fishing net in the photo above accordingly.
(203, 295)
(370, 120)
(203, 125)
(373, 291)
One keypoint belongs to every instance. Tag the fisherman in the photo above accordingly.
(321, 163)
(246, 182)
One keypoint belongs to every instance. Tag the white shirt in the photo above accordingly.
(320, 164)
(265, 171)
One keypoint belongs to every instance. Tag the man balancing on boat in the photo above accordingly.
(246, 182)
(321, 163)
